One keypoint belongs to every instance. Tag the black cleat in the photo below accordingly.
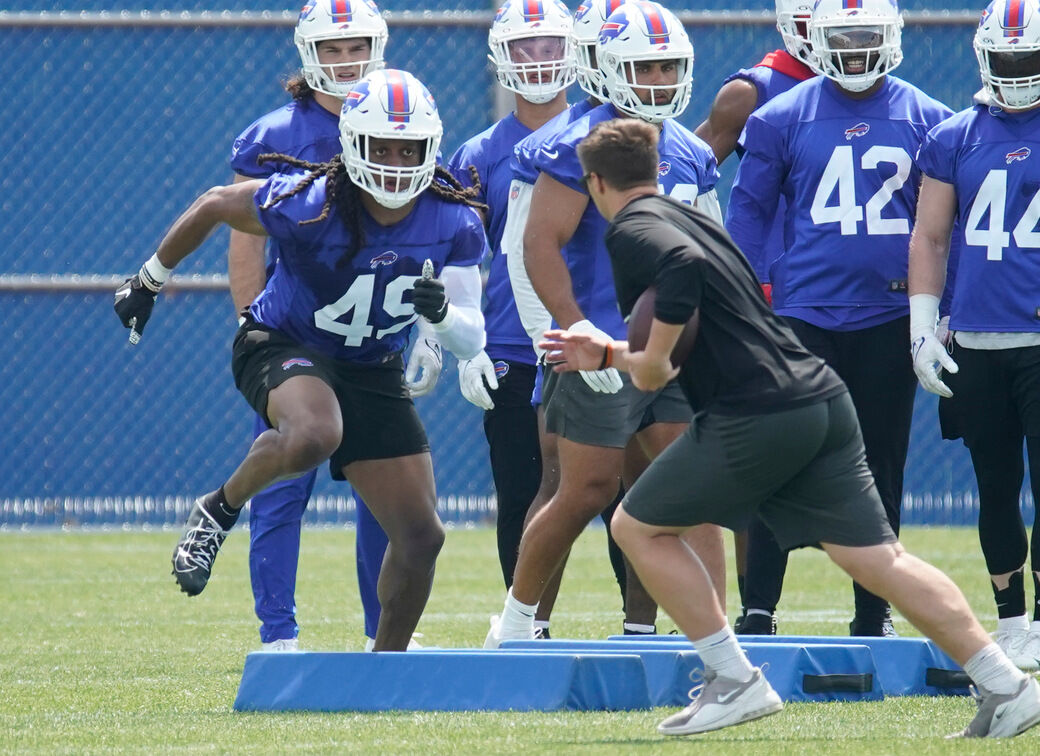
(755, 624)
(196, 551)
(875, 629)
(542, 633)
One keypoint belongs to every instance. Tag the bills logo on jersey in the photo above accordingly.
(663, 168)
(384, 258)
(1018, 155)
(296, 362)
(342, 13)
(356, 96)
(860, 129)
(612, 30)
(501, 368)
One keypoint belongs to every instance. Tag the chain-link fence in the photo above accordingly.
(113, 121)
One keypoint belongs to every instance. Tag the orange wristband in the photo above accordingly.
(608, 356)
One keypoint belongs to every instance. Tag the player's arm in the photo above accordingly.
(729, 112)
(232, 205)
(929, 249)
(247, 265)
(650, 369)
(752, 206)
(556, 210)
(451, 305)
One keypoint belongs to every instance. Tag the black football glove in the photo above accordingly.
(430, 300)
(133, 305)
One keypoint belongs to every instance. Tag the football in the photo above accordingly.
(642, 317)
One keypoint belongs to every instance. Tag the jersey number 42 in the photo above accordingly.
(840, 175)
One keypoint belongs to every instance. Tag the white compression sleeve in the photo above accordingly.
(708, 203)
(533, 315)
(462, 330)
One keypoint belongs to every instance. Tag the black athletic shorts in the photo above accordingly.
(379, 419)
(996, 391)
(803, 471)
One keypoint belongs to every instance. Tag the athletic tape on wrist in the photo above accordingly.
(153, 274)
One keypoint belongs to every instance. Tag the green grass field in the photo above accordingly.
(99, 652)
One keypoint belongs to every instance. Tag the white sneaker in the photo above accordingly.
(1021, 646)
(1004, 716)
(722, 702)
(281, 646)
(493, 640)
(413, 644)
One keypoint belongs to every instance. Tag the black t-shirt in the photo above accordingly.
(745, 360)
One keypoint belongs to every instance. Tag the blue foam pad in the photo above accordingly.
(820, 672)
(905, 666)
(442, 681)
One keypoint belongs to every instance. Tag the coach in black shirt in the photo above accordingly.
(775, 434)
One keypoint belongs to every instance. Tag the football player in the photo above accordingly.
(338, 43)
(360, 241)
(982, 169)
(532, 55)
(741, 94)
(646, 61)
(839, 149)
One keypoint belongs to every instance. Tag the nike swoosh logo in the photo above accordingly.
(551, 155)
(730, 696)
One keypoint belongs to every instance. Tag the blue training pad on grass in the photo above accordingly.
(838, 672)
(905, 666)
(442, 681)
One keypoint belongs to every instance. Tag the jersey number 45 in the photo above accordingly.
(358, 300)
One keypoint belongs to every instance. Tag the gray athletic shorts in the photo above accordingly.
(579, 414)
(803, 471)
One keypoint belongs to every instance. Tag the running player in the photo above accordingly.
(320, 353)
(531, 50)
(839, 149)
(338, 43)
(775, 435)
(646, 60)
(741, 94)
(982, 169)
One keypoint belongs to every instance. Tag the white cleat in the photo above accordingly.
(1021, 646)
(413, 644)
(1004, 716)
(281, 646)
(722, 702)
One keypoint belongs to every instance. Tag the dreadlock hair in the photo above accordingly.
(346, 195)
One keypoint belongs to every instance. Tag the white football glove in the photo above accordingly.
(604, 381)
(930, 359)
(472, 375)
(927, 337)
(425, 357)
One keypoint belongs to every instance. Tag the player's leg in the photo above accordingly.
(369, 550)
(639, 608)
(767, 565)
(299, 404)
(1033, 454)
(511, 429)
(275, 516)
(878, 371)
(983, 412)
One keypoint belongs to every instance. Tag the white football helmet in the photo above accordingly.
(1007, 44)
(390, 104)
(530, 43)
(856, 42)
(792, 21)
(322, 20)
(644, 32)
(587, 20)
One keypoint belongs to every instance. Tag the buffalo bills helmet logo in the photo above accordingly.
(663, 168)
(384, 258)
(296, 362)
(612, 30)
(305, 11)
(582, 11)
(860, 129)
(356, 96)
(1018, 155)
(501, 368)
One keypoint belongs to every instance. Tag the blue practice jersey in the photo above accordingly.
(490, 152)
(360, 312)
(992, 159)
(301, 128)
(686, 169)
(846, 170)
(522, 164)
(778, 72)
